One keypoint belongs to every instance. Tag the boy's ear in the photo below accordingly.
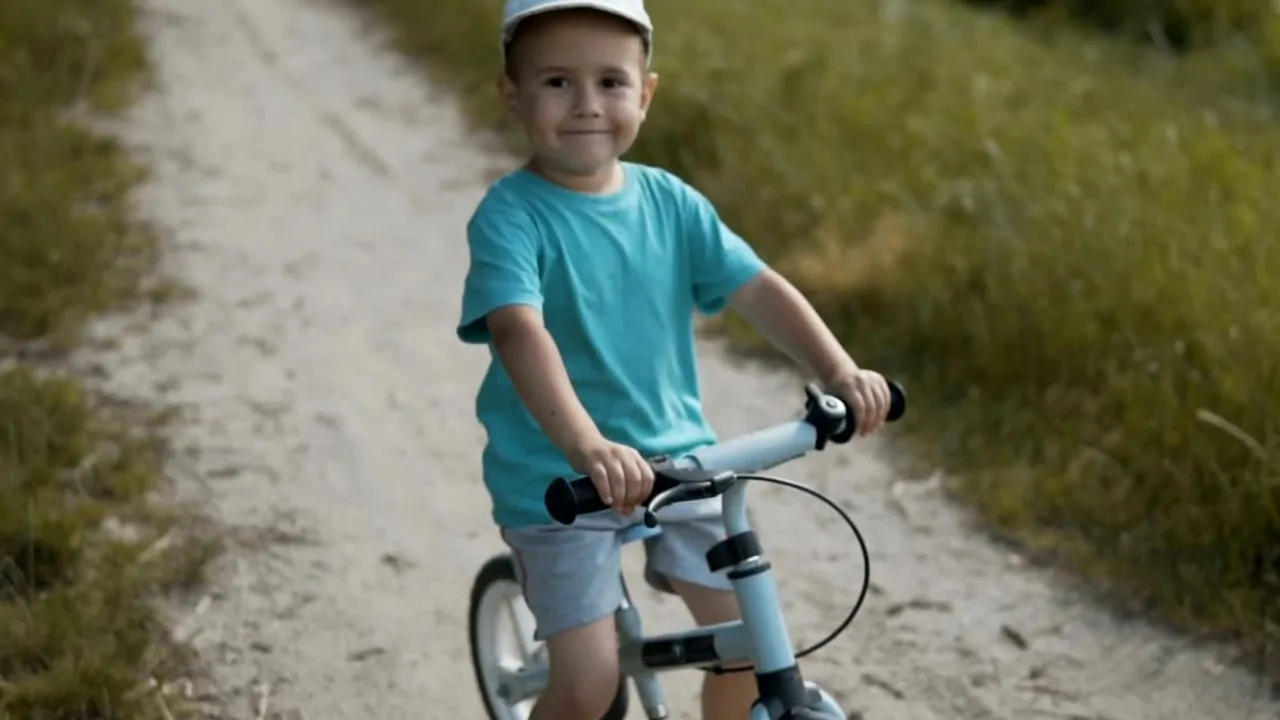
(507, 93)
(647, 90)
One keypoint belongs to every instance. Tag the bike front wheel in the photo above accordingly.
(824, 703)
(510, 665)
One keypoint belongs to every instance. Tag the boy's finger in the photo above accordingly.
(617, 484)
(856, 409)
(645, 468)
(881, 403)
(867, 420)
(600, 478)
(642, 490)
(630, 484)
(636, 482)
(646, 480)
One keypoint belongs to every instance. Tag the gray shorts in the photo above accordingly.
(571, 575)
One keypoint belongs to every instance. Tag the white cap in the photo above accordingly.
(632, 10)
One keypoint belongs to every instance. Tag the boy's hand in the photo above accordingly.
(867, 394)
(620, 474)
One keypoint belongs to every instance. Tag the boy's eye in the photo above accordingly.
(556, 81)
(613, 83)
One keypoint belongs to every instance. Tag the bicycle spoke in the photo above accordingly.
(524, 624)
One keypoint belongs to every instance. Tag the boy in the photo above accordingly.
(584, 275)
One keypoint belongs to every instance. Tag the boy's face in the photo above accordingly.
(580, 89)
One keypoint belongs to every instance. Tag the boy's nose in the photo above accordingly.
(587, 103)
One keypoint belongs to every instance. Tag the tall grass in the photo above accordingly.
(83, 553)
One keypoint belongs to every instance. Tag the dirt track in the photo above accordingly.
(316, 191)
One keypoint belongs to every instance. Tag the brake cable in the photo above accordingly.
(866, 568)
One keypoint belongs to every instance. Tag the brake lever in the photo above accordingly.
(661, 500)
(717, 483)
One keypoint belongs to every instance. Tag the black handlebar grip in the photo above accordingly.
(567, 500)
(897, 401)
(897, 407)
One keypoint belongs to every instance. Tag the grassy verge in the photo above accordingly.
(1068, 253)
(82, 551)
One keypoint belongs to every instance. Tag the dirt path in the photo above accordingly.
(316, 191)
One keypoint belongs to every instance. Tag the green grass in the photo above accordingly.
(83, 552)
(1180, 25)
(1065, 245)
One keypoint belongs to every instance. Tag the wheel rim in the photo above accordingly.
(505, 646)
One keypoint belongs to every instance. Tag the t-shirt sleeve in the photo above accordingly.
(503, 270)
(720, 261)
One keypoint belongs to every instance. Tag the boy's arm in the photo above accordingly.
(502, 306)
(532, 360)
(727, 271)
(782, 314)
(790, 323)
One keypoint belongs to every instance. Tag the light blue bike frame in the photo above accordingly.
(761, 637)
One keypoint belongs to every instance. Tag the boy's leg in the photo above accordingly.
(584, 673)
(729, 696)
(677, 563)
(570, 580)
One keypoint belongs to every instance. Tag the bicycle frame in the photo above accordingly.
(761, 636)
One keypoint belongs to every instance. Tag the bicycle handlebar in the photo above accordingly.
(685, 479)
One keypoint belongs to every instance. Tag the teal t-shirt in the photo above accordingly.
(617, 278)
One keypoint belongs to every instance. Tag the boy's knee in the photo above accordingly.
(708, 606)
(589, 696)
(584, 672)
(586, 694)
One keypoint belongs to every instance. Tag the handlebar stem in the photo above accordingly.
(735, 510)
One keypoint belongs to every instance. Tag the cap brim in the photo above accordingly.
(509, 25)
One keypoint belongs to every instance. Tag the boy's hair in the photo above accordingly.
(521, 28)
